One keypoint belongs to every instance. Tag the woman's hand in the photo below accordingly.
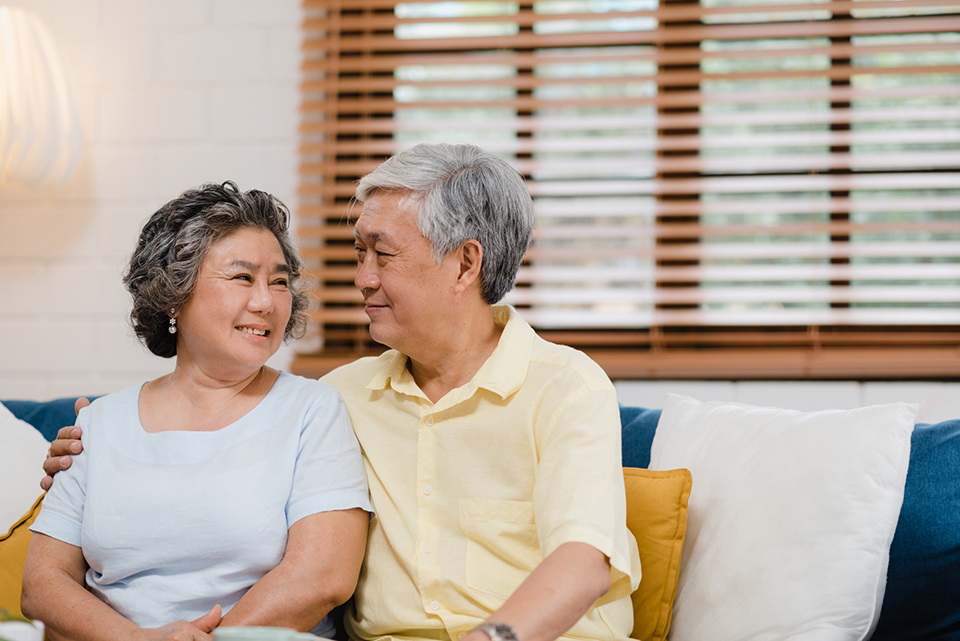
(198, 630)
(67, 443)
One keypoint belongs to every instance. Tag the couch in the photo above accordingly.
(921, 599)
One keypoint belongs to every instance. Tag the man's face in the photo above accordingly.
(404, 290)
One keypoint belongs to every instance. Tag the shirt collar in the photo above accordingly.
(394, 374)
(506, 369)
(503, 373)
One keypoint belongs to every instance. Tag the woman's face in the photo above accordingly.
(235, 319)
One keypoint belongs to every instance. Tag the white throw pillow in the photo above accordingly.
(790, 518)
(22, 451)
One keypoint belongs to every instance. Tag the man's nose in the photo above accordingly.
(367, 276)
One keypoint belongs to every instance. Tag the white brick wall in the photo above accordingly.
(172, 93)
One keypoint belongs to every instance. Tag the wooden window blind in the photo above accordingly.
(724, 188)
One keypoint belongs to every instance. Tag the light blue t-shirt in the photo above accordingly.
(175, 522)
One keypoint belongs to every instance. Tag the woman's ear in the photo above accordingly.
(471, 258)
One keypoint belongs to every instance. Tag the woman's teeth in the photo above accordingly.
(250, 330)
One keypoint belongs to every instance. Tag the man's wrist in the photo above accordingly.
(498, 631)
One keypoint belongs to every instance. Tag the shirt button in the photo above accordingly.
(434, 605)
(426, 548)
(429, 421)
(461, 635)
(427, 489)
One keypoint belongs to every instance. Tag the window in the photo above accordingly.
(724, 188)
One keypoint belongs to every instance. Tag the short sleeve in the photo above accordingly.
(329, 472)
(579, 495)
(61, 515)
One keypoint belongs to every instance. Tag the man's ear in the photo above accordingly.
(471, 258)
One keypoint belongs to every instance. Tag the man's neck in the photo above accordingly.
(447, 365)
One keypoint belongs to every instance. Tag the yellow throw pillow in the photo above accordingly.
(13, 554)
(657, 517)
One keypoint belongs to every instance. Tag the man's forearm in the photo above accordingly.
(555, 595)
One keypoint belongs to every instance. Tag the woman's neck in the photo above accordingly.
(190, 400)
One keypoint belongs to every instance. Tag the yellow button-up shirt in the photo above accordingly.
(472, 492)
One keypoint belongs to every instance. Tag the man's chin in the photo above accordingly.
(379, 333)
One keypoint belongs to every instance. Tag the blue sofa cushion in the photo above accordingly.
(48, 417)
(637, 425)
(922, 600)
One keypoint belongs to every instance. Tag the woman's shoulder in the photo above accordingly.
(307, 389)
(114, 401)
(306, 402)
(109, 414)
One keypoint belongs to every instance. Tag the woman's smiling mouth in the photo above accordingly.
(251, 330)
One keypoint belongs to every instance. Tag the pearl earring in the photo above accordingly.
(173, 322)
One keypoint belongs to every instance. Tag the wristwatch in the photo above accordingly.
(498, 631)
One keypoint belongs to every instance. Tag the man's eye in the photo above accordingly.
(282, 282)
(243, 277)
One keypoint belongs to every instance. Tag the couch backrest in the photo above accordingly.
(922, 599)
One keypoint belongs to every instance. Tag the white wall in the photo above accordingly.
(172, 93)
(938, 401)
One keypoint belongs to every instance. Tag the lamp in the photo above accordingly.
(40, 136)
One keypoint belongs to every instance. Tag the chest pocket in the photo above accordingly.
(502, 544)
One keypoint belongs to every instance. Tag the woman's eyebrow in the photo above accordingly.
(246, 264)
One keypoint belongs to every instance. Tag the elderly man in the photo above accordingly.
(493, 456)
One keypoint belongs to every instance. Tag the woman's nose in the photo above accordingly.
(261, 299)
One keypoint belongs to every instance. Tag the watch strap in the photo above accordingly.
(498, 631)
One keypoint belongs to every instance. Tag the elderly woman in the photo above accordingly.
(224, 486)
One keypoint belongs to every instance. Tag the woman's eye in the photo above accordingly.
(243, 277)
(282, 282)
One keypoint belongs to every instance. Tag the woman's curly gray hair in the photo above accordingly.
(174, 243)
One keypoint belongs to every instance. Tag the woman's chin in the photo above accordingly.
(230, 366)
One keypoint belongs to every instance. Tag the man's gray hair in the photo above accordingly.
(465, 193)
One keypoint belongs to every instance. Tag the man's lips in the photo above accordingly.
(373, 307)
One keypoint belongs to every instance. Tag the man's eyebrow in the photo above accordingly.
(246, 264)
(372, 236)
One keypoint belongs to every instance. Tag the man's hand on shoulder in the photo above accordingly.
(66, 443)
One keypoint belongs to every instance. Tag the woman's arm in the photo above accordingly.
(54, 592)
(318, 572)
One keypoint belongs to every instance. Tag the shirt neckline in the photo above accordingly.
(225, 429)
